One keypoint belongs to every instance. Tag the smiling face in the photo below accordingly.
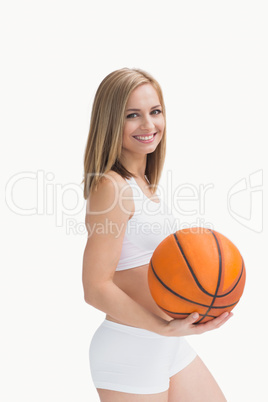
(144, 121)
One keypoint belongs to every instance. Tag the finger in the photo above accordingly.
(213, 324)
(225, 319)
(219, 321)
(192, 318)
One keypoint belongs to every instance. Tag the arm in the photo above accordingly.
(106, 223)
(108, 212)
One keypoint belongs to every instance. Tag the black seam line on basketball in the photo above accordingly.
(184, 298)
(235, 285)
(174, 312)
(194, 276)
(190, 268)
(219, 276)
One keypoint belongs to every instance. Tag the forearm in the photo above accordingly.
(110, 299)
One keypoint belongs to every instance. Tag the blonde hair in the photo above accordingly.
(104, 143)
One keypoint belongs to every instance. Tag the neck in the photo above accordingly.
(134, 163)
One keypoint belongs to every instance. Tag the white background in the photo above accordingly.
(210, 58)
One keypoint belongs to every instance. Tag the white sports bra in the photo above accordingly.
(151, 222)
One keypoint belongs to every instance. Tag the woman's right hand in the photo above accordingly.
(186, 326)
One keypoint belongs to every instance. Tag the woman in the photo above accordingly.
(138, 353)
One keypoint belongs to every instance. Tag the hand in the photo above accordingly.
(186, 326)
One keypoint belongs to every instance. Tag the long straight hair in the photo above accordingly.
(104, 143)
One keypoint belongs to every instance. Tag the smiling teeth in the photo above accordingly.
(145, 138)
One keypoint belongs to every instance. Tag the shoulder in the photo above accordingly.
(111, 190)
(113, 183)
(114, 177)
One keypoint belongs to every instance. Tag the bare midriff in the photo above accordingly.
(134, 283)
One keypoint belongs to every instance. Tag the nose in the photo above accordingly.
(147, 123)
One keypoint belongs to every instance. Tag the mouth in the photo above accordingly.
(145, 138)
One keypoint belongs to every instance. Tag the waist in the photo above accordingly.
(144, 333)
(134, 282)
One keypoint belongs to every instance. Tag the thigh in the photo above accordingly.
(114, 396)
(194, 384)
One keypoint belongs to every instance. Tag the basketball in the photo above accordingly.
(196, 269)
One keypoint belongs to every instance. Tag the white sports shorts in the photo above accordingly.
(135, 360)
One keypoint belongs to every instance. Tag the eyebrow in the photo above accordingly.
(138, 110)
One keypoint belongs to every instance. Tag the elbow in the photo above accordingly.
(90, 290)
(93, 295)
(88, 297)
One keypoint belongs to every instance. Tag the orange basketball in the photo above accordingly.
(199, 270)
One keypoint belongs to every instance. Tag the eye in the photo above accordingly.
(156, 111)
(131, 115)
